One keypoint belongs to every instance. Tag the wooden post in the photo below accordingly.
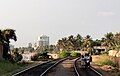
(1, 51)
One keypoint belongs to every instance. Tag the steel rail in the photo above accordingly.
(75, 67)
(29, 68)
(96, 71)
(77, 72)
(52, 66)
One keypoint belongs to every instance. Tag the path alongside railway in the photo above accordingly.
(63, 69)
(100, 70)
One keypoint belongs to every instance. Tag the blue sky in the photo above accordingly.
(59, 18)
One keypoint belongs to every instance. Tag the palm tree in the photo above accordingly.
(62, 43)
(117, 41)
(97, 42)
(87, 44)
(79, 41)
(6, 35)
(108, 40)
(71, 43)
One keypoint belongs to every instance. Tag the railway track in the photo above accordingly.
(85, 72)
(38, 70)
(44, 69)
(65, 68)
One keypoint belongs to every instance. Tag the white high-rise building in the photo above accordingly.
(43, 40)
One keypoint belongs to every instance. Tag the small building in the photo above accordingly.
(99, 49)
(27, 56)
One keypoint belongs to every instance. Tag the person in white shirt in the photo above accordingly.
(88, 59)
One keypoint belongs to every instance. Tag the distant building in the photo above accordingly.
(30, 45)
(43, 41)
(35, 46)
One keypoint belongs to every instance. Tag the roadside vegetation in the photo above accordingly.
(64, 54)
(110, 41)
(75, 54)
(107, 63)
(40, 56)
(104, 60)
(7, 67)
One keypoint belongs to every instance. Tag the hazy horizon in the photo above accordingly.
(59, 18)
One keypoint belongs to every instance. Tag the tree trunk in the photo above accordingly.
(1, 51)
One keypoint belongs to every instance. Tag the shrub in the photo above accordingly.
(75, 54)
(104, 60)
(17, 57)
(108, 62)
(44, 55)
(64, 54)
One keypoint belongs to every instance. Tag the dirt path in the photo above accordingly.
(63, 69)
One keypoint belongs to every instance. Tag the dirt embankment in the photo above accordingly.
(107, 69)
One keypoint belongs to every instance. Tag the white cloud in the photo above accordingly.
(105, 13)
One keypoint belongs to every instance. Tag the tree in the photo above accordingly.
(6, 35)
(16, 56)
(117, 41)
(79, 41)
(108, 40)
(62, 43)
(1, 37)
(97, 42)
(87, 44)
(71, 43)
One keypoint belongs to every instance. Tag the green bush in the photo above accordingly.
(17, 57)
(75, 54)
(64, 54)
(108, 62)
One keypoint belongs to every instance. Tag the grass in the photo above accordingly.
(6, 67)
(103, 60)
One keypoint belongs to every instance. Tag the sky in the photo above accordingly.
(59, 18)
